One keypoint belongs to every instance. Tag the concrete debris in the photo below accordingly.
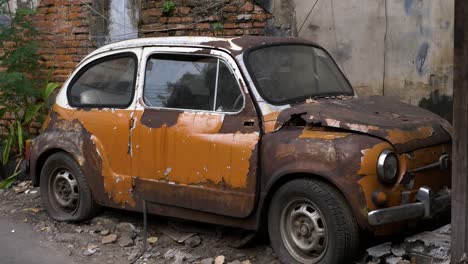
(426, 247)
(190, 242)
(109, 239)
(133, 255)
(193, 242)
(22, 186)
(178, 256)
(219, 260)
(393, 260)
(398, 250)
(125, 241)
(176, 235)
(90, 250)
(380, 250)
(127, 229)
(207, 261)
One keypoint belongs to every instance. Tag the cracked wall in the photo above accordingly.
(398, 48)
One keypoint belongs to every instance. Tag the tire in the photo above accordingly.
(65, 191)
(310, 222)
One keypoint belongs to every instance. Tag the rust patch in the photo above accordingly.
(398, 136)
(109, 131)
(168, 118)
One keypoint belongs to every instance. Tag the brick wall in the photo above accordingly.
(203, 18)
(69, 30)
(68, 27)
(64, 34)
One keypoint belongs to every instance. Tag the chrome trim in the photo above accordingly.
(381, 169)
(427, 206)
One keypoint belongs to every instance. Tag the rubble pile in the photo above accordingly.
(116, 236)
(427, 247)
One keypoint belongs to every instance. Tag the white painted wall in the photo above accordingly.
(418, 51)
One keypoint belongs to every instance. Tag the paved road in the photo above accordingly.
(25, 246)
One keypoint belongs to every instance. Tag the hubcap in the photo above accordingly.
(303, 231)
(65, 190)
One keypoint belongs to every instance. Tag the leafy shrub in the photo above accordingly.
(24, 93)
(168, 7)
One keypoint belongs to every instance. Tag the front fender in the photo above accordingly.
(70, 137)
(335, 157)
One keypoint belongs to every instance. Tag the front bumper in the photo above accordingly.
(428, 205)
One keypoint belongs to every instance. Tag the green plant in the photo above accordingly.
(216, 27)
(23, 93)
(168, 7)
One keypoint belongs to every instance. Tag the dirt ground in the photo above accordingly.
(115, 236)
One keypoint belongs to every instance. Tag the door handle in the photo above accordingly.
(249, 123)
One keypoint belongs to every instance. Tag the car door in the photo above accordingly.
(196, 133)
(102, 94)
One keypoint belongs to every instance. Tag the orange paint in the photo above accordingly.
(398, 136)
(434, 179)
(110, 133)
(194, 152)
(269, 122)
(327, 135)
(369, 158)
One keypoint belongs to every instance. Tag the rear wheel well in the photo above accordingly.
(287, 178)
(41, 160)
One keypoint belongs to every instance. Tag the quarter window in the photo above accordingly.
(191, 82)
(106, 83)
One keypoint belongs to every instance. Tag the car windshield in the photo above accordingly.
(293, 73)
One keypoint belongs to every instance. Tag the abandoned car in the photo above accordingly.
(247, 132)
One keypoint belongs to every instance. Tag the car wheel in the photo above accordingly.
(64, 189)
(310, 222)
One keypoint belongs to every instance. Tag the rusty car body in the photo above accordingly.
(226, 167)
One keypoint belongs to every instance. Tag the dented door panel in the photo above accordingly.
(201, 160)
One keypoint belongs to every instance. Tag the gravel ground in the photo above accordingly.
(115, 236)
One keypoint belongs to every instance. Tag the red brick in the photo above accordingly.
(259, 24)
(247, 7)
(230, 25)
(183, 10)
(203, 26)
(174, 20)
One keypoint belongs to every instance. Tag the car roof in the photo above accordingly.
(233, 45)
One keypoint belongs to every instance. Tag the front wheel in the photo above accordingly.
(64, 189)
(310, 222)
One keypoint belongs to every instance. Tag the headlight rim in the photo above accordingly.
(381, 168)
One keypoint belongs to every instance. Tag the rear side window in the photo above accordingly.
(191, 82)
(108, 82)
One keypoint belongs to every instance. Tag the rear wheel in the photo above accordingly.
(310, 222)
(64, 189)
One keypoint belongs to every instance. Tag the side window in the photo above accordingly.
(109, 82)
(191, 82)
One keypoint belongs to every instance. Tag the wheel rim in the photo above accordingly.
(303, 231)
(64, 191)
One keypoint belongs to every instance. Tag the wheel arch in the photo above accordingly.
(280, 180)
(40, 161)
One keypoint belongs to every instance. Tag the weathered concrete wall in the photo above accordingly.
(398, 48)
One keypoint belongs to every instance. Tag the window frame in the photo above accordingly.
(248, 66)
(85, 68)
(177, 53)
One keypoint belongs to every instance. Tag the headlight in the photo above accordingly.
(387, 167)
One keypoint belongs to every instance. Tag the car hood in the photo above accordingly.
(405, 126)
